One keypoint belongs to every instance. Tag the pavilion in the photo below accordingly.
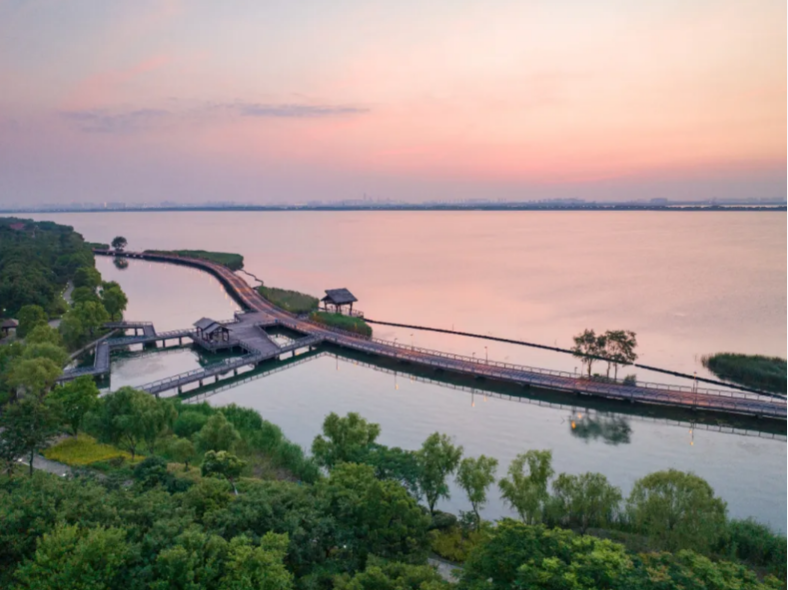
(7, 325)
(336, 299)
(211, 330)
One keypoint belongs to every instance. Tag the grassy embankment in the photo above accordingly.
(228, 259)
(296, 302)
(343, 322)
(291, 301)
(84, 450)
(750, 370)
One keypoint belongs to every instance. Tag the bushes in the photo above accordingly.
(751, 370)
(291, 301)
(228, 259)
(755, 544)
(343, 322)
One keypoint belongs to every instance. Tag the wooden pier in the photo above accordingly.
(261, 313)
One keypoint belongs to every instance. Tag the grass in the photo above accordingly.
(84, 450)
(750, 370)
(228, 259)
(291, 301)
(343, 322)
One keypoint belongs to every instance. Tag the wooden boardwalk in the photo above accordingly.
(262, 312)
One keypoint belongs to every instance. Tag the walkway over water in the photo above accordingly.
(263, 313)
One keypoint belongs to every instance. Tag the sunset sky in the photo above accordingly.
(283, 101)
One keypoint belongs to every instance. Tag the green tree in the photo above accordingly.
(223, 464)
(84, 295)
(587, 346)
(438, 458)
(527, 492)
(87, 276)
(27, 425)
(678, 510)
(182, 450)
(217, 435)
(188, 423)
(70, 558)
(119, 243)
(29, 317)
(72, 331)
(584, 501)
(257, 568)
(35, 375)
(53, 352)
(620, 349)
(127, 417)
(347, 439)
(73, 400)
(44, 334)
(373, 516)
(475, 476)
(382, 575)
(92, 316)
(195, 561)
(398, 465)
(115, 302)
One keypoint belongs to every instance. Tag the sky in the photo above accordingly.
(268, 101)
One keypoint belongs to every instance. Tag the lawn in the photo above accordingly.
(84, 450)
(228, 259)
(291, 301)
(343, 322)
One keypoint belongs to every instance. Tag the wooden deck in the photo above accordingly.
(262, 312)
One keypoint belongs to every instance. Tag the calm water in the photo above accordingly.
(688, 283)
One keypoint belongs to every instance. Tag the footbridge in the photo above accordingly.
(262, 312)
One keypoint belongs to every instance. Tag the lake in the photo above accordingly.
(688, 283)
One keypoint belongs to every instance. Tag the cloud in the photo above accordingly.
(144, 119)
(296, 111)
(103, 121)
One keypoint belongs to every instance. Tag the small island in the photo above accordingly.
(751, 370)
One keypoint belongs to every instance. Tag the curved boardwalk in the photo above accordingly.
(668, 395)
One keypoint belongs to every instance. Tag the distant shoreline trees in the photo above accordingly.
(616, 347)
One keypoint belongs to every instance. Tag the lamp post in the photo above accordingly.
(486, 356)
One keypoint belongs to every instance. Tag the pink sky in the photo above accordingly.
(262, 102)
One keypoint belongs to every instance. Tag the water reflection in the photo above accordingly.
(613, 429)
(120, 263)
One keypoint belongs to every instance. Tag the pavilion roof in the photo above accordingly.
(205, 323)
(339, 296)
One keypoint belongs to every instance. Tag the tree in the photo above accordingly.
(587, 346)
(182, 450)
(44, 334)
(195, 561)
(257, 568)
(92, 316)
(87, 276)
(438, 458)
(534, 557)
(217, 435)
(46, 350)
(380, 574)
(620, 348)
(27, 424)
(35, 375)
(84, 295)
(527, 492)
(223, 464)
(584, 501)
(115, 302)
(475, 476)
(373, 516)
(71, 329)
(30, 316)
(127, 417)
(70, 558)
(119, 243)
(347, 439)
(73, 400)
(398, 465)
(678, 510)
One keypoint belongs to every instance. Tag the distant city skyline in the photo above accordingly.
(452, 101)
